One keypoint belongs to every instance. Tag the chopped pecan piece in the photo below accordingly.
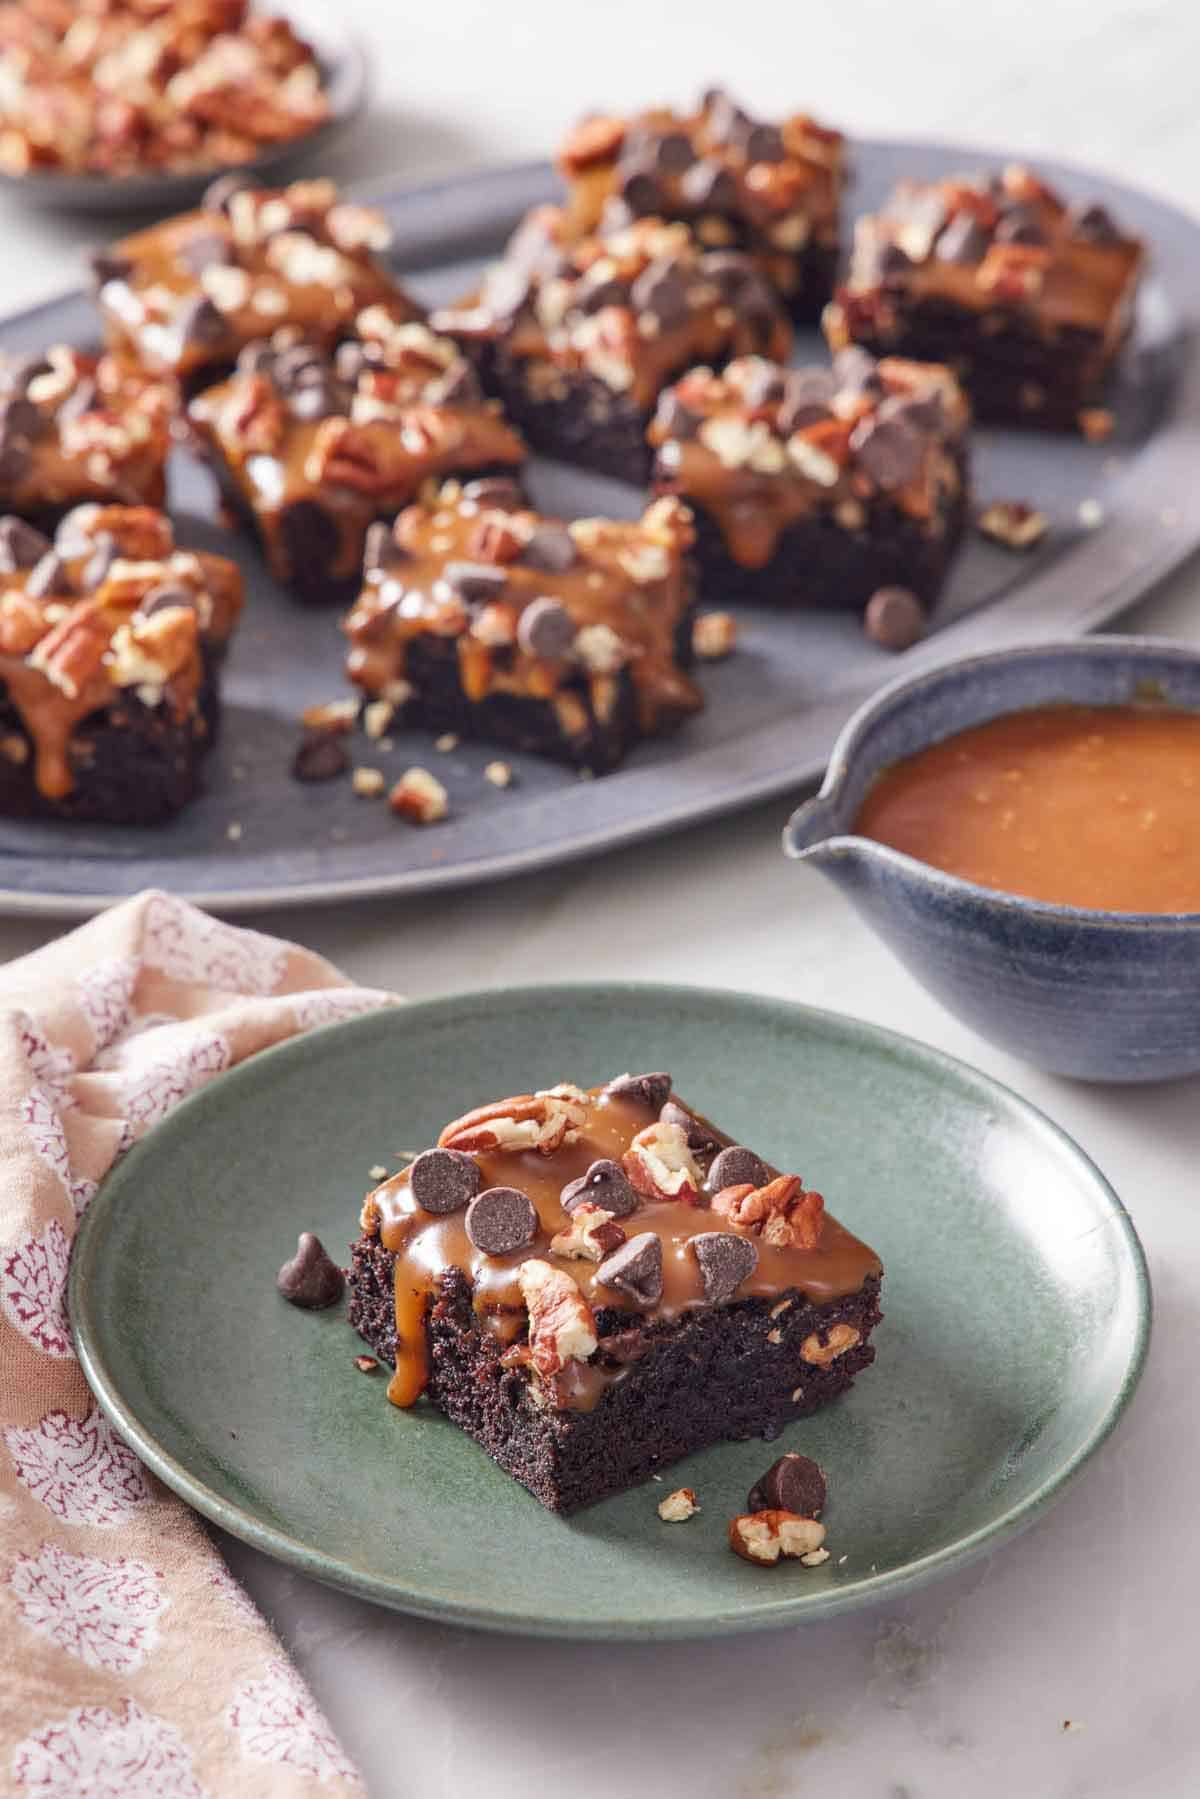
(763, 1537)
(837, 1340)
(785, 1214)
(661, 1166)
(590, 1235)
(561, 1325)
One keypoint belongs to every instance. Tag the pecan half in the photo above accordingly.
(539, 1121)
(561, 1325)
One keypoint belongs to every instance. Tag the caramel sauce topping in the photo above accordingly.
(425, 1245)
(104, 434)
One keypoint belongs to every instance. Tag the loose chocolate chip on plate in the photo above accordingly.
(502, 1220)
(792, 1484)
(545, 629)
(894, 618)
(321, 756)
(605, 1184)
(49, 576)
(312, 1278)
(964, 241)
(636, 1269)
(20, 545)
(445, 1180)
(105, 267)
(725, 1260)
(736, 1167)
(475, 581)
(103, 548)
(653, 1090)
(709, 187)
(500, 492)
(699, 1136)
(550, 548)
(205, 250)
(888, 450)
(218, 194)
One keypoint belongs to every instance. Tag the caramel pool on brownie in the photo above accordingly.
(579, 337)
(816, 486)
(483, 617)
(595, 1283)
(311, 445)
(111, 639)
(738, 182)
(1029, 299)
(185, 296)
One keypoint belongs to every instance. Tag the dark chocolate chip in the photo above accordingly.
(300, 363)
(725, 1261)
(671, 153)
(257, 358)
(501, 1220)
(894, 618)
(641, 190)
(599, 289)
(545, 629)
(676, 419)
(807, 397)
(15, 458)
(605, 1184)
(106, 265)
(636, 1269)
(727, 122)
(47, 577)
(856, 372)
(498, 491)
(103, 553)
(764, 143)
(204, 250)
(699, 1136)
(792, 1484)
(888, 449)
(218, 194)
(653, 1090)
(1020, 225)
(165, 596)
(321, 756)
(662, 289)
(964, 241)
(20, 545)
(445, 1180)
(475, 582)
(199, 322)
(84, 397)
(736, 1166)
(312, 1278)
(322, 398)
(550, 548)
(1095, 223)
(709, 187)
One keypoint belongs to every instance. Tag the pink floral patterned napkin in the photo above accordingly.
(133, 1666)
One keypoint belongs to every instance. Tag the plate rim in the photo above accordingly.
(788, 1610)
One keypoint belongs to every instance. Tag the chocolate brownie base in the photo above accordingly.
(573, 417)
(133, 764)
(818, 564)
(725, 1374)
(818, 267)
(1014, 376)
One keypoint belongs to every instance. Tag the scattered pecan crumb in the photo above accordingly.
(677, 1506)
(1091, 513)
(366, 1364)
(499, 774)
(377, 1171)
(234, 832)
(1013, 523)
(448, 741)
(1096, 423)
(368, 782)
(714, 635)
(377, 716)
(419, 797)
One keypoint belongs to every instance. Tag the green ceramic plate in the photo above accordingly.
(1016, 1295)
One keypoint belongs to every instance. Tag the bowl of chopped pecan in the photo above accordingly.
(130, 104)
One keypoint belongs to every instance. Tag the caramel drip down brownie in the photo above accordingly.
(738, 182)
(310, 446)
(110, 643)
(578, 339)
(482, 617)
(595, 1283)
(187, 295)
(816, 486)
(75, 427)
(1027, 298)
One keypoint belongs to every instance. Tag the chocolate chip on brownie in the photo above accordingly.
(606, 1185)
(501, 1220)
(635, 1269)
(650, 1089)
(444, 1180)
(725, 1260)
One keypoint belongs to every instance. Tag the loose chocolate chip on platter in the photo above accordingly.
(500, 492)
(311, 1278)
(894, 618)
(502, 1220)
(103, 553)
(709, 187)
(321, 756)
(699, 1137)
(653, 1090)
(475, 582)
(964, 241)
(889, 450)
(550, 548)
(636, 1269)
(736, 1166)
(605, 1184)
(20, 545)
(445, 1180)
(49, 576)
(725, 1260)
(218, 194)
(792, 1484)
(545, 629)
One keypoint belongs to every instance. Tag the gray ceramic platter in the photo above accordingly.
(1015, 1294)
(774, 708)
(343, 76)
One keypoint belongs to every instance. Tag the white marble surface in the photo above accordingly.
(964, 1689)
